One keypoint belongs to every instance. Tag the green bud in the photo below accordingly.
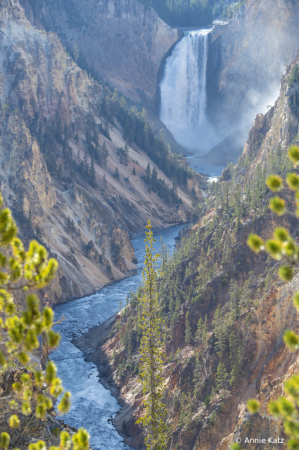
(293, 154)
(40, 445)
(56, 388)
(17, 387)
(281, 234)
(274, 247)
(296, 300)
(40, 411)
(288, 248)
(27, 394)
(65, 440)
(274, 409)
(26, 408)
(50, 372)
(275, 183)
(53, 339)
(24, 358)
(253, 406)
(14, 421)
(81, 440)
(291, 427)
(32, 302)
(236, 446)
(286, 407)
(4, 440)
(292, 386)
(31, 341)
(291, 339)
(48, 315)
(65, 404)
(3, 362)
(26, 380)
(13, 404)
(293, 181)
(277, 205)
(255, 243)
(39, 378)
(286, 273)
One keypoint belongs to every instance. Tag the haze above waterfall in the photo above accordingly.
(183, 90)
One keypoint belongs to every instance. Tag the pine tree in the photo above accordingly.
(116, 173)
(105, 181)
(221, 376)
(188, 334)
(104, 154)
(151, 352)
(148, 174)
(235, 357)
(134, 171)
(85, 163)
(92, 173)
(219, 331)
(199, 330)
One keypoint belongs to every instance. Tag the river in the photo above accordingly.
(92, 404)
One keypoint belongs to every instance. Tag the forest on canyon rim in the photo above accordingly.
(204, 353)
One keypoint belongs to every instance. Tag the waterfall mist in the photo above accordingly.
(183, 92)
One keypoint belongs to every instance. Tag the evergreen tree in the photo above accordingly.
(220, 331)
(188, 334)
(148, 174)
(92, 173)
(221, 376)
(104, 154)
(154, 179)
(151, 352)
(116, 173)
(104, 181)
(199, 331)
(235, 356)
(134, 171)
(235, 298)
(85, 163)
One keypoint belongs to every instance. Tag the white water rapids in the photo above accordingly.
(183, 89)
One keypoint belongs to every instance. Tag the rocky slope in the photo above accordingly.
(52, 129)
(235, 352)
(246, 59)
(122, 41)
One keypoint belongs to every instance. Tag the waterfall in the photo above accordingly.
(183, 89)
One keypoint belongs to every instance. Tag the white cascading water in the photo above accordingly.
(183, 89)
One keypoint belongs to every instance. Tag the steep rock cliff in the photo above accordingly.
(122, 41)
(49, 107)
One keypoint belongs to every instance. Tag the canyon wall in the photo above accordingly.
(51, 126)
(122, 41)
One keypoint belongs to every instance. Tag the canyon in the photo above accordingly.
(49, 106)
(99, 100)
